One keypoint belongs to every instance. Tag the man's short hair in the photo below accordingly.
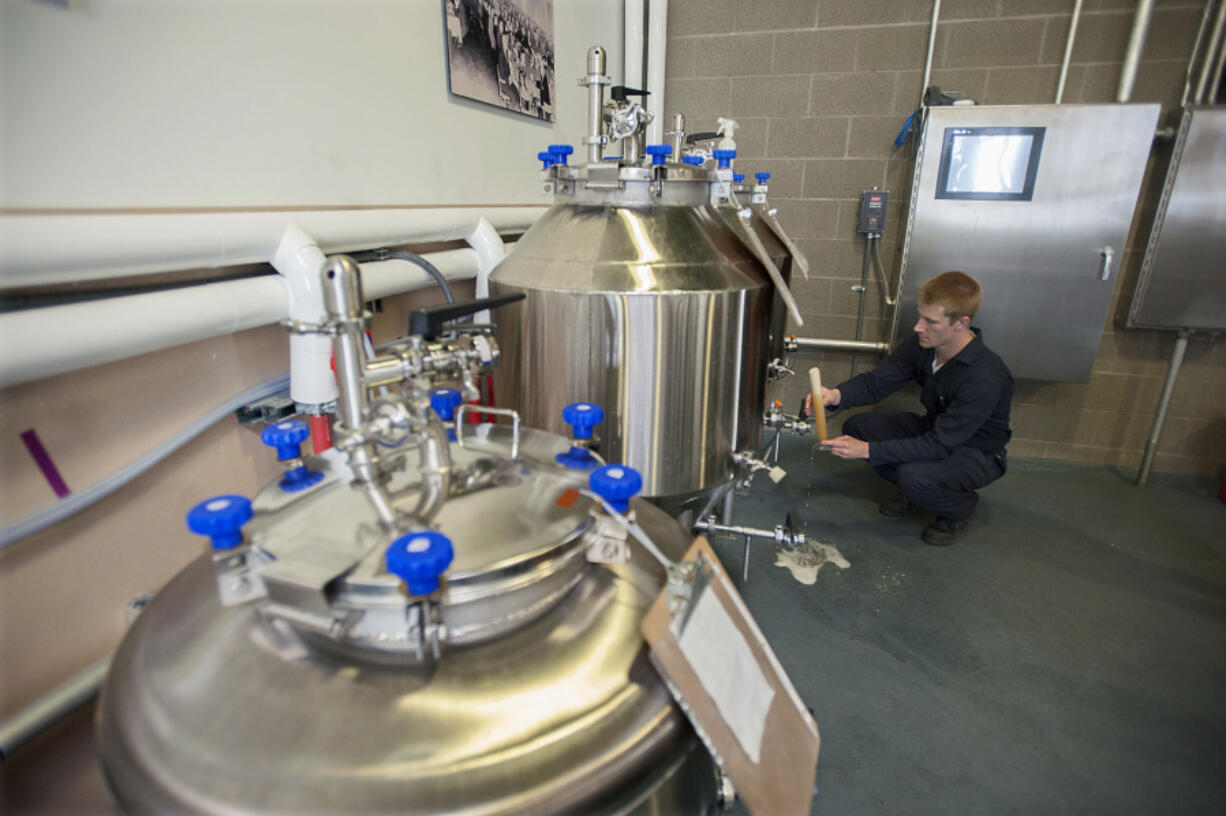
(957, 292)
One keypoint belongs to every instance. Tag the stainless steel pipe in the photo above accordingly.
(1136, 42)
(840, 345)
(1068, 50)
(932, 42)
(1215, 44)
(52, 707)
(1168, 388)
(595, 103)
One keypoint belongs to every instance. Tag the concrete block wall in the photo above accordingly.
(822, 87)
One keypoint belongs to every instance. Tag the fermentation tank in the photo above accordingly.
(408, 625)
(649, 291)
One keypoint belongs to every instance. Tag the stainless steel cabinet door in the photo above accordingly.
(1045, 247)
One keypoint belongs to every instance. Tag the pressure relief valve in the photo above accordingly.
(583, 417)
(287, 437)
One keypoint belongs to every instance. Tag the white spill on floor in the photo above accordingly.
(807, 559)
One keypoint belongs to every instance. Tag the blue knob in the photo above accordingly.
(546, 159)
(420, 559)
(616, 484)
(444, 401)
(658, 152)
(723, 158)
(761, 177)
(286, 438)
(221, 518)
(738, 177)
(583, 416)
(694, 160)
(560, 152)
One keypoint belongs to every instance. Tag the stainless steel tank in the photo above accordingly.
(295, 674)
(649, 292)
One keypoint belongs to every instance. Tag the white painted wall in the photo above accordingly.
(224, 103)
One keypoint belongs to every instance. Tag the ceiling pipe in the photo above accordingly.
(1215, 44)
(657, 51)
(1197, 44)
(1068, 50)
(632, 48)
(1136, 43)
(932, 44)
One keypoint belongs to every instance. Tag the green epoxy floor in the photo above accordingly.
(1069, 656)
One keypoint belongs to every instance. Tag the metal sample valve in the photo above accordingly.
(786, 536)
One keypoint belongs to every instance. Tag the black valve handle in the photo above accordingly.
(620, 92)
(695, 138)
(428, 321)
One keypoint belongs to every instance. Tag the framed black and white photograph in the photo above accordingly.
(501, 52)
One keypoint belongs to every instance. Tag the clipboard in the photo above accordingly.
(724, 675)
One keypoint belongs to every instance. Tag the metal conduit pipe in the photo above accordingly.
(1218, 66)
(1215, 44)
(932, 43)
(840, 345)
(1068, 50)
(52, 707)
(1168, 388)
(1197, 45)
(1136, 43)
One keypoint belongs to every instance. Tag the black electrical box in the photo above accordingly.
(873, 205)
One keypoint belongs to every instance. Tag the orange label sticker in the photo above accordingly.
(568, 498)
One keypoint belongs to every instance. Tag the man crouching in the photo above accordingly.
(941, 459)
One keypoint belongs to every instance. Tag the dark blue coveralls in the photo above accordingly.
(938, 460)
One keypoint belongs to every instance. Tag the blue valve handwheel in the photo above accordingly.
(616, 484)
(420, 559)
(221, 518)
(761, 177)
(583, 416)
(286, 437)
(444, 401)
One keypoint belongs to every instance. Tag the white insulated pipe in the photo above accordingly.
(299, 260)
(632, 47)
(1136, 43)
(90, 333)
(47, 248)
(657, 51)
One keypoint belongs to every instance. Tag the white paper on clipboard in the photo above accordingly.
(725, 665)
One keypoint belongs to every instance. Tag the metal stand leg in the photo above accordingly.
(1172, 373)
(745, 560)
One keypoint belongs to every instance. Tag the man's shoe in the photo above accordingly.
(898, 507)
(943, 532)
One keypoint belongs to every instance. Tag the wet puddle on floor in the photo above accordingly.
(805, 561)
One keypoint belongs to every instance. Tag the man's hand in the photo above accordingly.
(846, 447)
(830, 396)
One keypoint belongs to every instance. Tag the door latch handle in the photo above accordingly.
(1106, 256)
